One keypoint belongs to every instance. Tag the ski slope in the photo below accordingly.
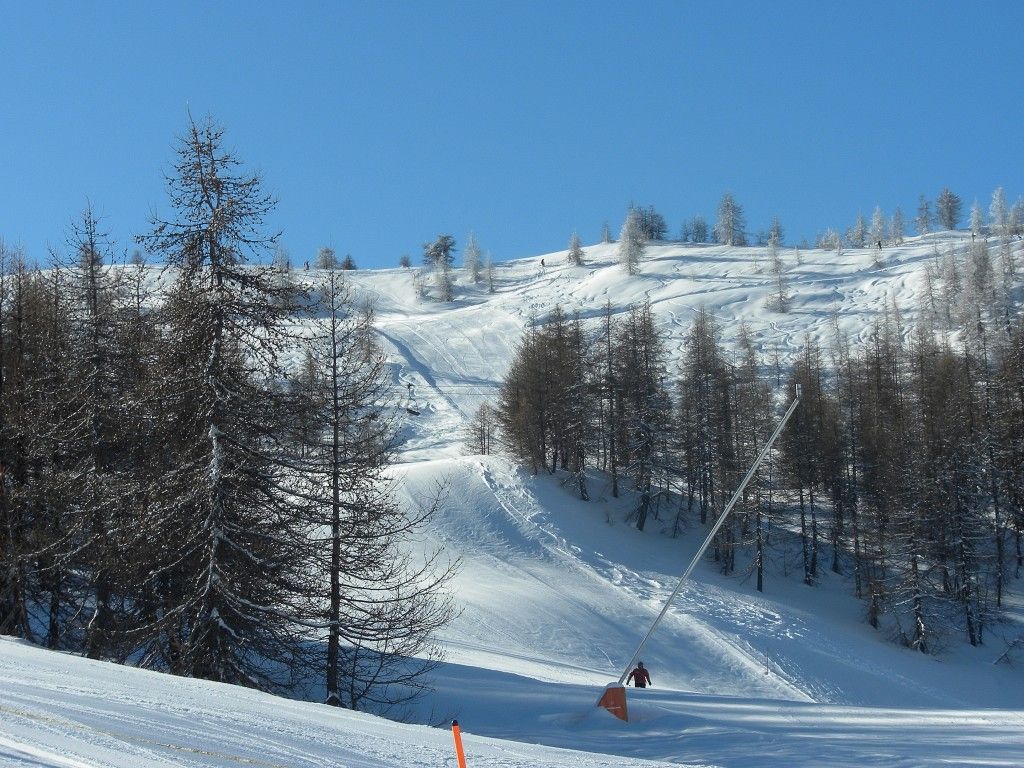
(556, 593)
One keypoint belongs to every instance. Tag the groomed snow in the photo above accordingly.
(557, 593)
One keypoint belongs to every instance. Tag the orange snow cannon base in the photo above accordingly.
(614, 700)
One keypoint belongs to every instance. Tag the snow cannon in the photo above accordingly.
(614, 700)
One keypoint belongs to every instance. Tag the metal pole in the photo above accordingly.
(711, 535)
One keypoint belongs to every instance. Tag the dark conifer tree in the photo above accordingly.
(228, 576)
(380, 608)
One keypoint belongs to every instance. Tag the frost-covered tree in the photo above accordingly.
(440, 255)
(471, 259)
(606, 233)
(923, 220)
(857, 235)
(652, 223)
(981, 273)
(780, 301)
(998, 213)
(977, 220)
(897, 227)
(404, 261)
(776, 233)
(440, 252)
(730, 228)
(877, 231)
(947, 209)
(686, 232)
(700, 229)
(488, 271)
(631, 243)
(444, 282)
(1017, 218)
(348, 263)
(831, 240)
(326, 258)
(576, 252)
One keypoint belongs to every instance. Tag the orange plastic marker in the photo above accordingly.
(457, 735)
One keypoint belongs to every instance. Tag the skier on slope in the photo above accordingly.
(640, 676)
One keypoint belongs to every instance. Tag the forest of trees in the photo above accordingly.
(902, 468)
(172, 496)
(730, 226)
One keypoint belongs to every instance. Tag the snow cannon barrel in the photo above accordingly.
(614, 700)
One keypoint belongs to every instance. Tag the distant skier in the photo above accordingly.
(640, 676)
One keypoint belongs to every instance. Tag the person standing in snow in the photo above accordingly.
(640, 676)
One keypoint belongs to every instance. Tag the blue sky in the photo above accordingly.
(379, 125)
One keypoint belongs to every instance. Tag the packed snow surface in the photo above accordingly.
(556, 593)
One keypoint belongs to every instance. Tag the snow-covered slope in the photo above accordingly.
(556, 593)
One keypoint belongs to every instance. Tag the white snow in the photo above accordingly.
(556, 593)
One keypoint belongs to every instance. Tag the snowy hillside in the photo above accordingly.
(556, 593)
(456, 354)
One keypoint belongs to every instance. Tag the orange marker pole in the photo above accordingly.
(457, 735)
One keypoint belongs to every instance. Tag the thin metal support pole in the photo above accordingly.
(711, 535)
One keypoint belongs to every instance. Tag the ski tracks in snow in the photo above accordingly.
(642, 594)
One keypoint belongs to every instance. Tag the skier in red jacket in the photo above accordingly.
(640, 676)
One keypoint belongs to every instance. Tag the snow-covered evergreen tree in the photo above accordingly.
(440, 255)
(1017, 218)
(947, 209)
(631, 243)
(730, 228)
(831, 240)
(576, 252)
(858, 233)
(700, 229)
(780, 301)
(898, 227)
(998, 213)
(471, 259)
(440, 252)
(877, 231)
(444, 282)
(326, 258)
(923, 220)
(977, 220)
(489, 272)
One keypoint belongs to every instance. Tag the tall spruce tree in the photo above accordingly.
(228, 578)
